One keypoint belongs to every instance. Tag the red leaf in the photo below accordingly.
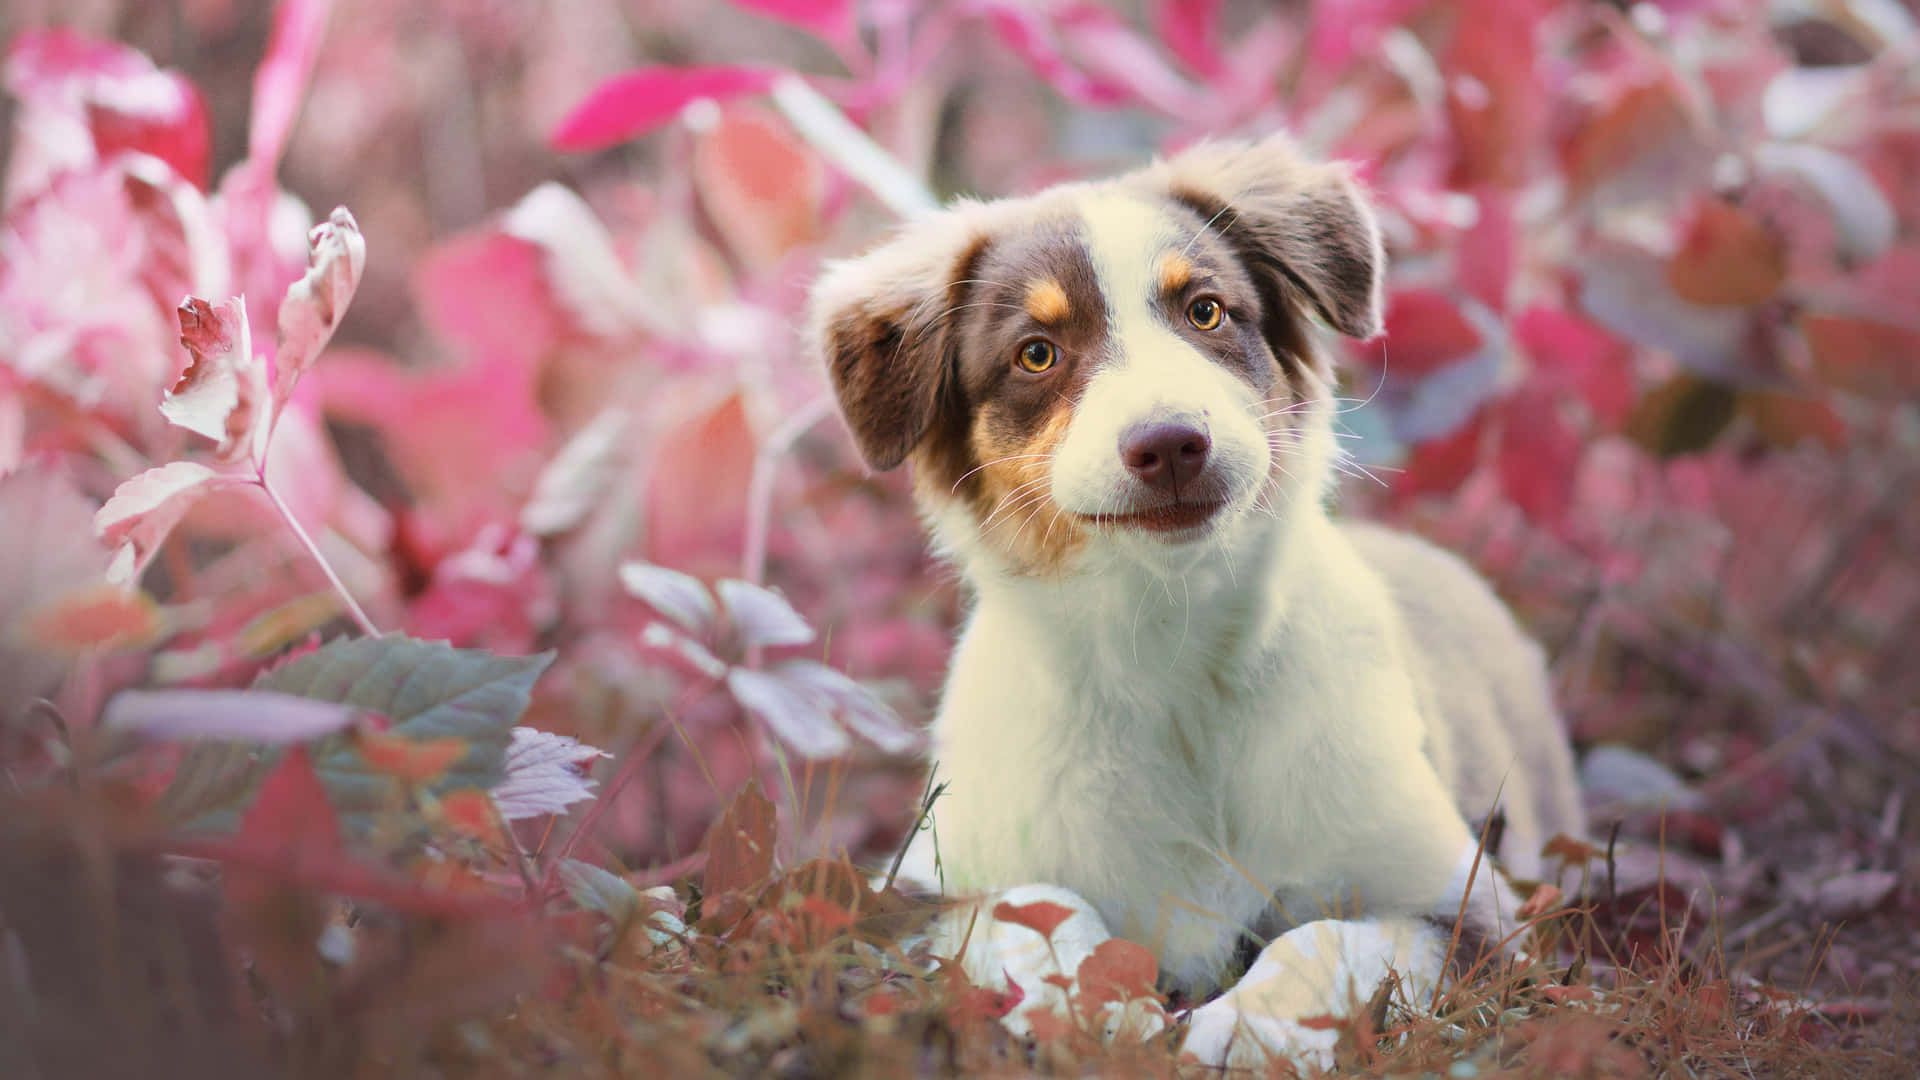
(1789, 419)
(1485, 261)
(1727, 257)
(1324, 1022)
(281, 80)
(470, 811)
(630, 105)
(145, 508)
(316, 303)
(1539, 454)
(107, 94)
(1578, 356)
(292, 816)
(1042, 916)
(1495, 101)
(1573, 851)
(1442, 464)
(1630, 125)
(1425, 332)
(223, 393)
(740, 845)
(174, 127)
(831, 20)
(1027, 34)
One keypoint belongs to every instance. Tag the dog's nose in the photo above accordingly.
(1165, 454)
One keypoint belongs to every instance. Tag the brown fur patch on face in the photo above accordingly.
(1047, 302)
(1175, 271)
(1013, 502)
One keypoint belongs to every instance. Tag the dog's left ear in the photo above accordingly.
(1304, 222)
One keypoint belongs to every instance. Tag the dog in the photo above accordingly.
(1184, 692)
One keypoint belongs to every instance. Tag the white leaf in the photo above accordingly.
(252, 715)
(1864, 221)
(794, 713)
(314, 305)
(854, 705)
(1850, 896)
(145, 508)
(576, 480)
(663, 638)
(762, 616)
(544, 774)
(680, 597)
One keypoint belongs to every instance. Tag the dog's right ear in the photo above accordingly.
(880, 322)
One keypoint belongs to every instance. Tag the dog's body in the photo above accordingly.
(1184, 692)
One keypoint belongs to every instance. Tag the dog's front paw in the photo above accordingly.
(1327, 968)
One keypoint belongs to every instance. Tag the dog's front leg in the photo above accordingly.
(1325, 969)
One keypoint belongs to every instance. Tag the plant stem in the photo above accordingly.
(286, 514)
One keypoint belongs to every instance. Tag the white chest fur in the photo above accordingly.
(1192, 753)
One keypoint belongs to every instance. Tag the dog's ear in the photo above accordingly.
(1303, 222)
(880, 322)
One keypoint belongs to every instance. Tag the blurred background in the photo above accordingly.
(1652, 360)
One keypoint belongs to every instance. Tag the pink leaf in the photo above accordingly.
(545, 774)
(680, 597)
(1191, 31)
(831, 20)
(630, 105)
(760, 184)
(1029, 36)
(252, 715)
(316, 303)
(1108, 48)
(791, 712)
(761, 616)
(281, 81)
(145, 508)
(223, 393)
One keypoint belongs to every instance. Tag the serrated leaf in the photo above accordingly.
(428, 690)
(544, 774)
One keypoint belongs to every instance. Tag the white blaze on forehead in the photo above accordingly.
(1125, 237)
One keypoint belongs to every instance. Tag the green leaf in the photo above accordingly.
(600, 890)
(426, 689)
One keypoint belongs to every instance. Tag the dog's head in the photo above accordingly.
(1125, 366)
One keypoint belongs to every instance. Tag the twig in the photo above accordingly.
(821, 123)
(927, 798)
(286, 514)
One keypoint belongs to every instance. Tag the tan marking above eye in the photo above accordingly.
(1206, 313)
(1175, 271)
(1047, 301)
(1036, 356)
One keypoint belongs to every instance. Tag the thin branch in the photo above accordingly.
(286, 514)
(853, 151)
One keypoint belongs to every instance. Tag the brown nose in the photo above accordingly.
(1166, 455)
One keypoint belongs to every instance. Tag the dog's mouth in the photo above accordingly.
(1171, 518)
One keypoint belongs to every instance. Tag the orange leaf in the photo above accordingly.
(469, 811)
(1569, 849)
(1544, 897)
(1789, 419)
(1863, 356)
(1728, 257)
(1046, 1024)
(97, 616)
(1042, 916)
(1324, 1022)
(740, 844)
(1118, 970)
(410, 761)
(1561, 995)
(761, 186)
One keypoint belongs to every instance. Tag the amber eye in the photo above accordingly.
(1205, 313)
(1037, 356)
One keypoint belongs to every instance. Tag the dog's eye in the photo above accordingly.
(1037, 356)
(1205, 313)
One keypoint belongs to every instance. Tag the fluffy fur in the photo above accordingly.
(1201, 704)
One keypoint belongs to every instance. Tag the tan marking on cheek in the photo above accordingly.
(1014, 508)
(1047, 301)
(1175, 271)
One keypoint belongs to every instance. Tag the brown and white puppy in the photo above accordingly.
(1184, 693)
